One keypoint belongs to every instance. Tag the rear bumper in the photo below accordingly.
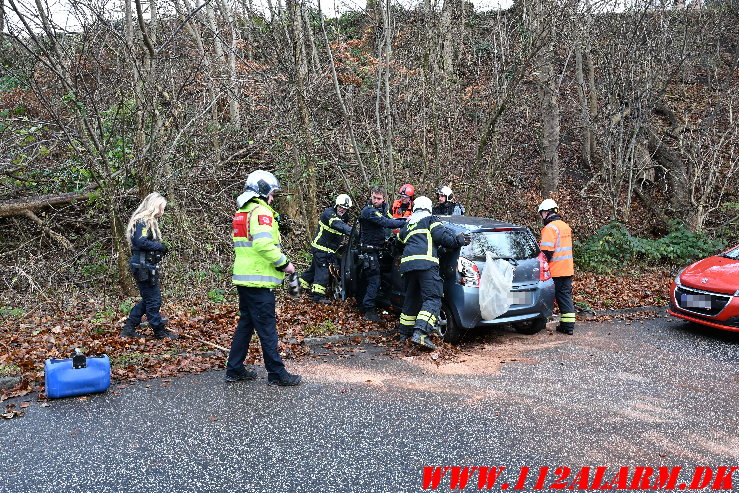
(464, 303)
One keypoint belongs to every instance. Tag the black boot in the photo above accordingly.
(129, 330)
(422, 339)
(285, 380)
(566, 328)
(371, 315)
(403, 332)
(161, 332)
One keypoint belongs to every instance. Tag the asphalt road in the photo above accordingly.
(641, 393)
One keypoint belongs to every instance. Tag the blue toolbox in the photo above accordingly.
(76, 375)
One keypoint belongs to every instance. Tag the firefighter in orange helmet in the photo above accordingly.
(403, 206)
(556, 244)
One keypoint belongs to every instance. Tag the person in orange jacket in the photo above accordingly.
(403, 206)
(556, 245)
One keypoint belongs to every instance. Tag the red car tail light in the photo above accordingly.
(544, 273)
(470, 274)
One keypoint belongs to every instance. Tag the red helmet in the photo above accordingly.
(407, 190)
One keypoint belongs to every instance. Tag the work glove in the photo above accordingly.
(464, 239)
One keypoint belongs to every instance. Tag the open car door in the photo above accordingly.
(350, 266)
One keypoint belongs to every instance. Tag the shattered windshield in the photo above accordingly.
(517, 244)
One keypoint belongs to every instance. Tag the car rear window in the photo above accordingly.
(518, 244)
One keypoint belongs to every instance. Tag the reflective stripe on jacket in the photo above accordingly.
(556, 237)
(256, 239)
(331, 229)
(422, 239)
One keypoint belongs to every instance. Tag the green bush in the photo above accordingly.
(217, 295)
(9, 311)
(324, 328)
(612, 247)
(9, 370)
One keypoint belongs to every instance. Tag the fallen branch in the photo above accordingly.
(19, 207)
(58, 237)
(200, 340)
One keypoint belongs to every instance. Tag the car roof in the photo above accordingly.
(471, 222)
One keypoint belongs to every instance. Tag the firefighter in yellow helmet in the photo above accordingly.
(556, 244)
(259, 267)
(332, 227)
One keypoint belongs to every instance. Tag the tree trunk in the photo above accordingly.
(548, 94)
(305, 134)
(387, 50)
(582, 93)
(677, 176)
(233, 83)
(342, 104)
(310, 40)
(197, 37)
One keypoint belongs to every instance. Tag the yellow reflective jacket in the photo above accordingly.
(256, 238)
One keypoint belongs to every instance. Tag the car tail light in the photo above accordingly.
(470, 274)
(544, 273)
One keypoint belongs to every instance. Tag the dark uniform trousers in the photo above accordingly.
(318, 274)
(151, 302)
(424, 290)
(256, 312)
(372, 279)
(563, 295)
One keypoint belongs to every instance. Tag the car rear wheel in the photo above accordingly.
(530, 327)
(449, 328)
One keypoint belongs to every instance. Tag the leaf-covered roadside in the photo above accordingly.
(206, 330)
(205, 335)
(597, 292)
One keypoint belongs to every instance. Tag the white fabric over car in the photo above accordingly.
(495, 285)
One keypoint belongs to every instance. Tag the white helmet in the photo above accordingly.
(262, 183)
(548, 205)
(343, 200)
(259, 183)
(422, 203)
(445, 191)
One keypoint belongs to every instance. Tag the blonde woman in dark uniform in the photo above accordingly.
(147, 249)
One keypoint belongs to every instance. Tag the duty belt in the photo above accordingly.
(369, 248)
(147, 257)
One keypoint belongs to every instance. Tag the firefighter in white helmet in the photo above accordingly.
(556, 244)
(259, 267)
(419, 266)
(332, 227)
(445, 206)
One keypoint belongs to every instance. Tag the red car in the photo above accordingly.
(707, 292)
